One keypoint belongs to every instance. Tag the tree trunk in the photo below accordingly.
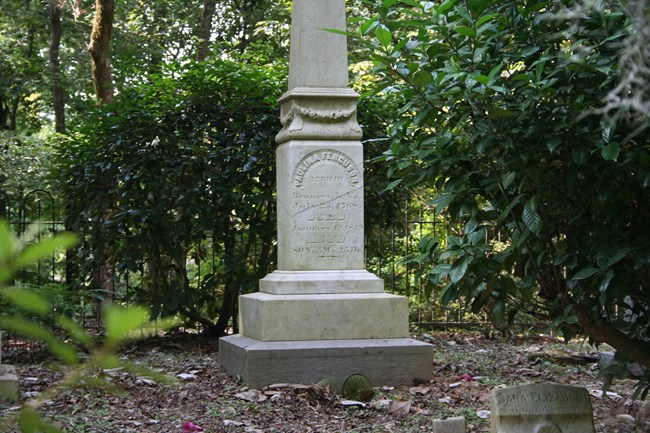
(54, 9)
(100, 38)
(231, 286)
(4, 113)
(205, 29)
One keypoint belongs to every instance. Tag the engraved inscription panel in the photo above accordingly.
(541, 408)
(327, 206)
(537, 401)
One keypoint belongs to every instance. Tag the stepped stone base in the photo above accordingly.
(268, 317)
(384, 361)
(321, 282)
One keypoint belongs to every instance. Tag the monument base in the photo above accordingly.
(267, 317)
(395, 361)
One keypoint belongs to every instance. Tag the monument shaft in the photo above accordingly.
(318, 58)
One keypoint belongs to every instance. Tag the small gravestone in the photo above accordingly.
(449, 425)
(541, 408)
(8, 379)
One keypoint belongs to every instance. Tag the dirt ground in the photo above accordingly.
(466, 368)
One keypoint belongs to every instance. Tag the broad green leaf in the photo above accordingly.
(76, 331)
(120, 322)
(531, 217)
(495, 71)
(483, 79)
(383, 36)
(27, 300)
(553, 142)
(500, 112)
(498, 310)
(585, 273)
(459, 268)
(618, 256)
(45, 248)
(466, 31)
(445, 6)
(484, 19)
(507, 179)
(443, 201)
(423, 78)
(35, 331)
(610, 152)
(604, 285)
(448, 294)
(368, 25)
(7, 246)
(393, 184)
(441, 269)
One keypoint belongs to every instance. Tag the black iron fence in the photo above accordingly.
(386, 255)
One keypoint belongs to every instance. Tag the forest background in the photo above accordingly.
(520, 126)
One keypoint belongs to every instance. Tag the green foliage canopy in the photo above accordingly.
(171, 165)
(554, 201)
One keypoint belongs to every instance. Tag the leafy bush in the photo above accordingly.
(29, 309)
(498, 116)
(177, 172)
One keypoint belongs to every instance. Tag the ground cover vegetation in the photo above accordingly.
(520, 125)
(466, 365)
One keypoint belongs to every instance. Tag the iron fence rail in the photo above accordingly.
(386, 256)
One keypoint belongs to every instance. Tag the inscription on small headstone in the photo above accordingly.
(541, 408)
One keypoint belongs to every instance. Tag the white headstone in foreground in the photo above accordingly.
(541, 408)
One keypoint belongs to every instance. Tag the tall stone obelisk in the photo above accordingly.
(321, 314)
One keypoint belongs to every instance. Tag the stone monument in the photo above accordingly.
(321, 314)
(541, 408)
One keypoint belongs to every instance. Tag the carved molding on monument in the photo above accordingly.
(315, 113)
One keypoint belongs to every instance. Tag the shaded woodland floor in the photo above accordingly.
(466, 368)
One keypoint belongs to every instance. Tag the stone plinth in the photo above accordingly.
(383, 361)
(268, 317)
(541, 408)
(321, 282)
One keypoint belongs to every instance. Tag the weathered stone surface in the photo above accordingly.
(320, 206)
(9, 389)
(450, 425)
(318, 57)
(383, 361)
(268, 317)
(319, 113)
(321, 282)
(541, 408)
